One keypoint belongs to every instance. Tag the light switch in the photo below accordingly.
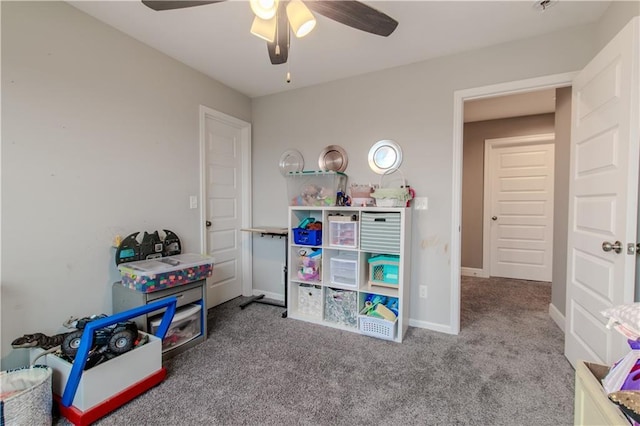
(421, 203)
(193, 201)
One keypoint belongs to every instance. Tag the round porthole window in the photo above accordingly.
(385, 155)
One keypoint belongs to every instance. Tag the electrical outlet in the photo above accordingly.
(421, 203)
(193, 201)
(423, 291)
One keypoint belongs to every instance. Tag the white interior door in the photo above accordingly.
(603, 197)
(519, 212)
(226, 208)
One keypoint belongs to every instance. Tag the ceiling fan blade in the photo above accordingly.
(178, 4)
(279, 48)
(355, 14)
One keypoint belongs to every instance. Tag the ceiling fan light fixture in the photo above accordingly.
(300, 17)
(264, 28)
(264, 9)
(543, 5)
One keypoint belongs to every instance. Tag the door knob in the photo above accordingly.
(208, 223)
(494, 217)
(616, 247)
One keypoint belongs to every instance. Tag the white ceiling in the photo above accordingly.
(215, 38)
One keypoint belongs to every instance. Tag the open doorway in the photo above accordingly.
(500, 178)
(488, 92)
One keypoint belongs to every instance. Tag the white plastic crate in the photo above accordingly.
(378, 327)
(344, 271)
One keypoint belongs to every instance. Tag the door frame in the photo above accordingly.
(489, 144)
(459, 97)
(246, 213)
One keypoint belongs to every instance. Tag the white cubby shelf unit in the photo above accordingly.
(329, 283)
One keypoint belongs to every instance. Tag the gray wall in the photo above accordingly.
(561, 198)
(413, 105)
(99, 137)
(614, 19)
(475, 134)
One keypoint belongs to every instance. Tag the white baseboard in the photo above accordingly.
(473, 272)
(442, 328)
(556, 316)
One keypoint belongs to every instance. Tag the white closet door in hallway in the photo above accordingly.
(519, 206)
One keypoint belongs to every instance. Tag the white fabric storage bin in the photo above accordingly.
(310, 300)
(341, 307)
(26, 396)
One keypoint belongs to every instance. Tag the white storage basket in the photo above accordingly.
(378, 327)
(27, 396)
(392, 197)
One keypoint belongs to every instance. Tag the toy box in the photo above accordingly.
(151, 275)
(310, 188)
(101, 382)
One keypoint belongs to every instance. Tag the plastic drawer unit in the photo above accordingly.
(186, 325)
(188, 295)
(343, 232)
(344, 270)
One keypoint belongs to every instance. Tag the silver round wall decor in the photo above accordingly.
(333, 158)
(291, 161)
(385, 155)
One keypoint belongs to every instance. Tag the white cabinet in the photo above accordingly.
(360, 255)
(591, 404)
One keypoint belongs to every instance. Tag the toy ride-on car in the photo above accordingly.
(115, 339)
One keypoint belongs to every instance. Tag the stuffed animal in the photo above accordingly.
(310, 195)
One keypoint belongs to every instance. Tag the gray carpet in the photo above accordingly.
(506, 367)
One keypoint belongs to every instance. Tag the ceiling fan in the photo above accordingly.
(274, 23)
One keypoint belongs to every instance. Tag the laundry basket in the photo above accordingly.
(392, 197)
(26, 396)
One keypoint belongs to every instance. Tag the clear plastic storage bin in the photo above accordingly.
(185, 326)
(311, 188)
(151, 275)
(344, 270)
(343, 232)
